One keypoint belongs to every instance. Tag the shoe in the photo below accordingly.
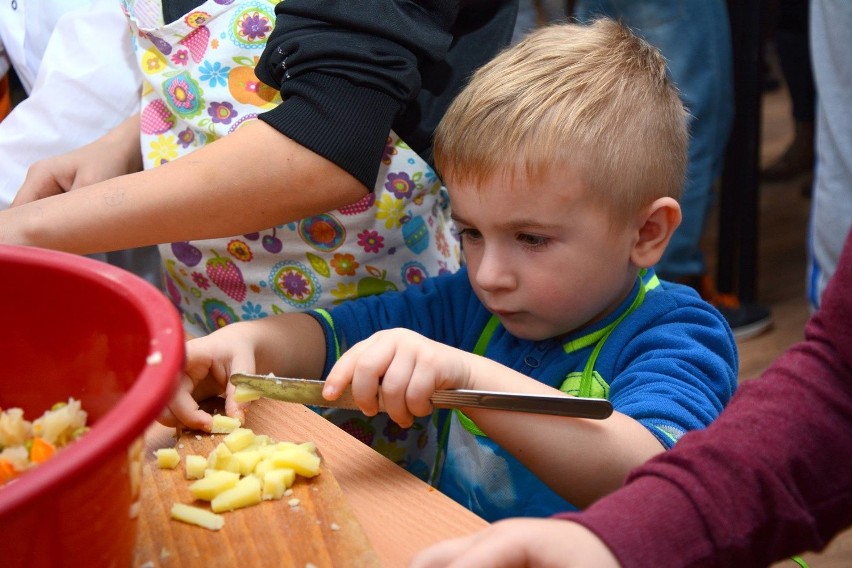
(797, 159)
(746, 319)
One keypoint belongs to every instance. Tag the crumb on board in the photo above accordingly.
(334, 526)
(294, 502)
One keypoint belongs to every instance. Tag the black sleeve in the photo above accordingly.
(350, 71)
(174, 9)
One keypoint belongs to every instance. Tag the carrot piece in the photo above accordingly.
(7, 471)
(41, 450)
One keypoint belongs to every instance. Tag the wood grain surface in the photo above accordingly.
(385, 514)
(321, 530)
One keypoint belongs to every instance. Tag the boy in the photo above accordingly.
(563, 158)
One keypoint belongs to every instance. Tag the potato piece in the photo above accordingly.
(194, 466)
(222, 458)
(304, 462)
(167, 458)
(263, 467)
(247, 460)
(262, 440)
(239, 439)
(276, 482)
(224, 424)
(196, 516)
(213, 483)
(245, 393)
(247, 492)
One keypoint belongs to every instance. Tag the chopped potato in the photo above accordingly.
(305, 463)
(243, 470)
(276, 482)
(167, 458)
(247, 461)
(246, 492)
(239, 439)
(224, 424)
(213, 483)
(194, 466)
(197, 516)
(245, 393)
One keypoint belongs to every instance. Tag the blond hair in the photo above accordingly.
(593, 98)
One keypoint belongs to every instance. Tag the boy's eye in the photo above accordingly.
(469, 234)
(533, 241)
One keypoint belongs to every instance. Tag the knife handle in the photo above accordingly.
(578, 407)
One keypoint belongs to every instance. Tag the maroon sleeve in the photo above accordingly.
(771, 477)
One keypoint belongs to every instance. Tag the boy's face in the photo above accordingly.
(542, 256)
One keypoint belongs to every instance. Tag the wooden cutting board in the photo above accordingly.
(321, 531)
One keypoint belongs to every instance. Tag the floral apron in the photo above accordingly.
(199, 86)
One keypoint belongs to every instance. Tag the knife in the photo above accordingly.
(308, 391)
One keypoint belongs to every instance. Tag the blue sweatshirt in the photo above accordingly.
(664, 357)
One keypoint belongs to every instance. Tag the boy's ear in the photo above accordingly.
(657, 225)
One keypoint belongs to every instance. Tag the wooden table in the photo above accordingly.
(397, 513)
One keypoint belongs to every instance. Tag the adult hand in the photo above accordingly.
(114, 154)
(521, 543)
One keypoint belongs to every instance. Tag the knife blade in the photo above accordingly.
(309, 391)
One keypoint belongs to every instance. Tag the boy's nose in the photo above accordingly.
(494, 272)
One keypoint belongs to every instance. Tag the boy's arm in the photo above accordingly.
(671, 370)
(247, 181)
(580, 459)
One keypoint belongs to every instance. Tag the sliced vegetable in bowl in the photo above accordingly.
(25, 444)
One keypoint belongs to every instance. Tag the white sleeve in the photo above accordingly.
(88, 82)
(4, 61)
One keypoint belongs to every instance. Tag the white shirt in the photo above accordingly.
(76, 61)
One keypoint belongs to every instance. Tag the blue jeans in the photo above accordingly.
(695, 38)
(831, 205)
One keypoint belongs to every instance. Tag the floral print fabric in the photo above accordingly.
(199, 86)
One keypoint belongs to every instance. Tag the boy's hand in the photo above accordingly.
(409, 368)
(210, 361)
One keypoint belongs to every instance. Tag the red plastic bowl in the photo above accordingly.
(76, 327)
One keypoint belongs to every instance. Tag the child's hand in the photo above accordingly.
(409, 369)
(210, 361)
(521, 542)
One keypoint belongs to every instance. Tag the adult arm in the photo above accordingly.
(349, 77)
(211, 192)
(768, 479)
